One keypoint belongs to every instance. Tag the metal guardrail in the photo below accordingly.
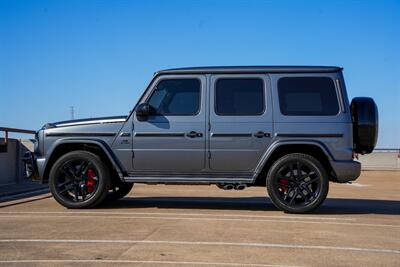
(381, 159)
(11, 150)
(388, 150)
(6, 130)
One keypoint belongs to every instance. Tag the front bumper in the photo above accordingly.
(346, 171)
(31, 170)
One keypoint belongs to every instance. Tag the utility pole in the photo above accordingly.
(72, 112)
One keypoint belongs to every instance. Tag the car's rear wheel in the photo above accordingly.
(297, 183)
(79, 179)
(119, 191)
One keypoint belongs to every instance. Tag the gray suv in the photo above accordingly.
(289, 128)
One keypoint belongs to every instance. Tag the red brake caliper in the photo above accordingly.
(90, 182)
(284, 185)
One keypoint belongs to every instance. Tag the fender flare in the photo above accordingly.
(98, 142)
(279, 143)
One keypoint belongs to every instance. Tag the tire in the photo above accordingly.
(297, 183)
(119, 191)
(79, 179)
(364, 113)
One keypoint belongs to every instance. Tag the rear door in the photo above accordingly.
(240, 121)
(172, 140)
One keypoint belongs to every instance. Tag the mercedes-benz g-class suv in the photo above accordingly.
(289, 128)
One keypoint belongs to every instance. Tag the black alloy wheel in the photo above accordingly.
(297, 183)
(79, 179)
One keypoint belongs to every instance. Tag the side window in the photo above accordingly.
(239, 97)
(307, 96)
(176, 97)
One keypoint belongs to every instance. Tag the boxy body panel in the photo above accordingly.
(207, 147)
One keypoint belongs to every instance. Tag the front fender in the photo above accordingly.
(43, 163)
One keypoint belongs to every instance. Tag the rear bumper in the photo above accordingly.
(346, 171)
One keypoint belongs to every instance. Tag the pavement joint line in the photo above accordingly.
(204, 243)
(291, 217)
(149, 262)
(201, 219)
(358, 185)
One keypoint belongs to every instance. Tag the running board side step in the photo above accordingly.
(187, 180)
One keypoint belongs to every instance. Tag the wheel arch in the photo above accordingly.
(315, 149)
(97, 147)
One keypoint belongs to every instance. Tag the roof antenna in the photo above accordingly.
(72, 112)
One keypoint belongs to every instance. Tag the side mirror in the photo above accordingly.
(143, 111)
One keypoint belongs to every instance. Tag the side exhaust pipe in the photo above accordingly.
(231, 186)
(240, 186)
(228, 187)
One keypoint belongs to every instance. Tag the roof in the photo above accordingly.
(251, 69)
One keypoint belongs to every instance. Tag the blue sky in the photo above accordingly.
(98, 56)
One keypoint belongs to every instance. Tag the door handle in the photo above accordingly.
(261, 134)
(194, 134)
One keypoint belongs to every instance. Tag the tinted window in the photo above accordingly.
(176, 97)
(307, 96)
(239, 97)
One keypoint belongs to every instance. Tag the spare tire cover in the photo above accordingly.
(365, 124)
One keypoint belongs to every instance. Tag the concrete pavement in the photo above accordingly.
(158, 225)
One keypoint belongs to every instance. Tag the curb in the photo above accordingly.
(20, 198)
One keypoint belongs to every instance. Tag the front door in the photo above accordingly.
(240, 120)
(172, 139)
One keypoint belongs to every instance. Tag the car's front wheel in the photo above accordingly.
(79, 179)
(297, 183)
